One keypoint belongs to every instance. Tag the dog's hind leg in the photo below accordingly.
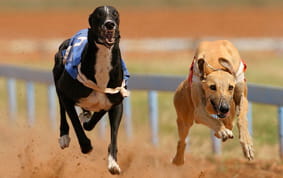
(185, 119)
(64, 139)
(244, 136)
(89, 125)
(115, 115)
(183, 130)
(57, 71)
(82, 138)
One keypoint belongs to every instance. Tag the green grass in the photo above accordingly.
(264, 68)
(41, 102)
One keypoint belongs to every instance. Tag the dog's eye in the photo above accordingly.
(231, 87)
(99, 14)
(212, 87)
(115, 14)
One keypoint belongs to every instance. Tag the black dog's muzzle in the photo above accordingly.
(108, 33)
(109, 25)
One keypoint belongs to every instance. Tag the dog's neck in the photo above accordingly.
(103, 66)
(110, 59)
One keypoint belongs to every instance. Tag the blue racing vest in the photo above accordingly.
(73, 55)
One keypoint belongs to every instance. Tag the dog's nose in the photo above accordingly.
(109, 25)
(224, 108)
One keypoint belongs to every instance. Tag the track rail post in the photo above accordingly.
(30, 103)
(280, 125)
(52, 105)
(216, 144)
(153, 116)
(12, 98)
(128, 116)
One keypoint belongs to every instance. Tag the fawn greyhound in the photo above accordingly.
(214, 94)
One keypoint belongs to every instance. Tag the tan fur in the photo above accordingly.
(192, 101)
(95, 102)
(98, 101)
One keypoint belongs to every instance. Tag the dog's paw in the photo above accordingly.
(248, 151)
(64, 141)
(113, 166)
(224, 134)
(85, 116)
(86, 147)
(179, 157)
(178, 162)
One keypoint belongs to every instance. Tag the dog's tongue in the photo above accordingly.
(109, 40)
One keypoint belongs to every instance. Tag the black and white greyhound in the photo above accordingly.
(90, 73)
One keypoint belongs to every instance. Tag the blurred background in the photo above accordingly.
(158, 38)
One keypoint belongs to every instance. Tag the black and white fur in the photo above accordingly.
(101, 63)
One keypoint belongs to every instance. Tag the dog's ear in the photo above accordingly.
(227, 65)
(90, 20)
(201, 66)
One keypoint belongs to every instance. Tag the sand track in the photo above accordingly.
(34, 152)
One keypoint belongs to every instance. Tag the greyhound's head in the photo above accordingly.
(104, 25)
(218, 86)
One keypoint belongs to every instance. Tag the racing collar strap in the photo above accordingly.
(90, 84)
(194, 72)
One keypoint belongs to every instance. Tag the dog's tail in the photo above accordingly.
(62, 48)
(59, 60)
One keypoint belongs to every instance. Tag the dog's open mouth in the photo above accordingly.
(109, 36)
(219, 115)
(222, 115)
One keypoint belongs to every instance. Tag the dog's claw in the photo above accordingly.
(248, 151)
(224, 134)
(64, 141)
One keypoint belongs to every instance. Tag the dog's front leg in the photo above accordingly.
(115, 115)
(244, 136)
(238, 96)
(82, 138)
(218, 126)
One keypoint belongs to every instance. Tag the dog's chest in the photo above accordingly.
(95, 102)
(103, 67)
(99, 101)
